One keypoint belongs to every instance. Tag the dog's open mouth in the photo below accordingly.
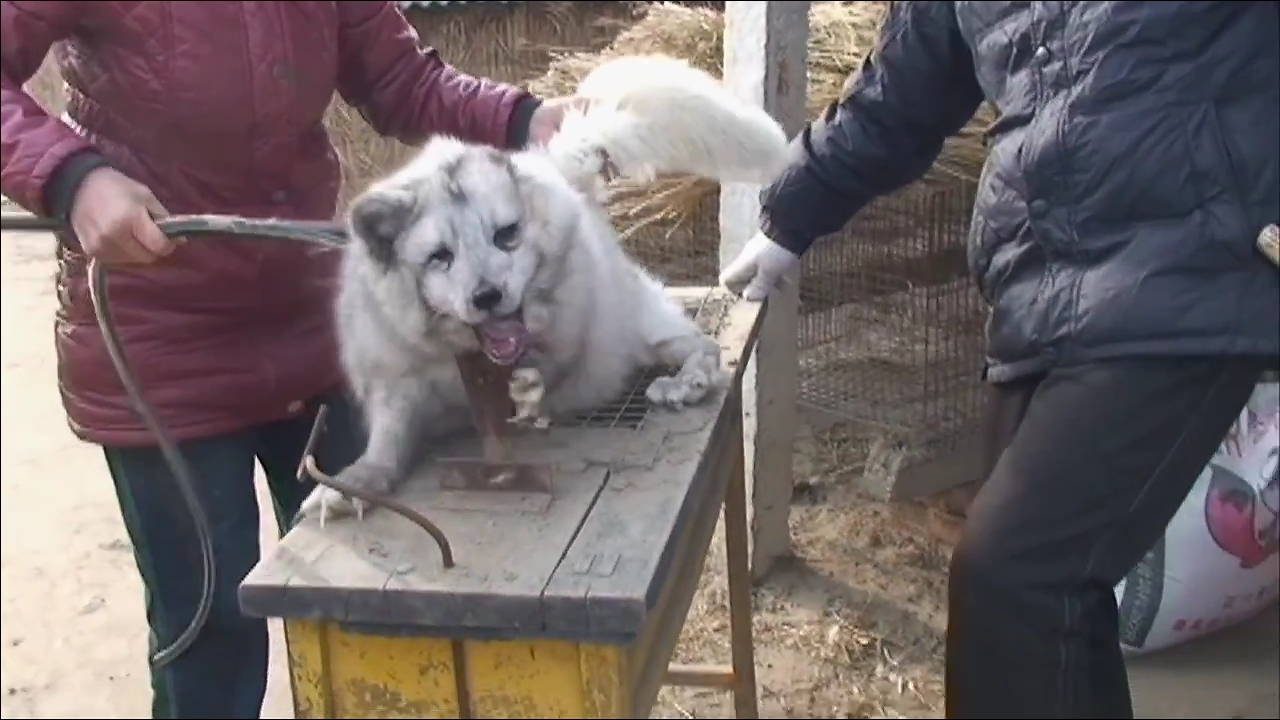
(504, 339)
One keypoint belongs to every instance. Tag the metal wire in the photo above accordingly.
(188, 226)
(891, 327)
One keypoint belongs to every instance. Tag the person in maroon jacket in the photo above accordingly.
(214, 107)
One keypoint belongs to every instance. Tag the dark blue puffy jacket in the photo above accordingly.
(1134, 163)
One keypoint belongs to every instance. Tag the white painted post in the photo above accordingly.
(765, 62)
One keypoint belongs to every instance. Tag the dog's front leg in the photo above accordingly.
(398, 416)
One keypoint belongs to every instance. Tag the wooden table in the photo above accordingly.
(565, 604)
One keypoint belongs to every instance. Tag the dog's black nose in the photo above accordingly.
(487, 299)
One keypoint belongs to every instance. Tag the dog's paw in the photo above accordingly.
(687, 387)
(327, 504)
(530, 421)
(699, 376)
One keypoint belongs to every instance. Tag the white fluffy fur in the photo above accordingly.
(461, 218)
(653, 114)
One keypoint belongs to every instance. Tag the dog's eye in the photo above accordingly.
(441, 256)
(505, 236)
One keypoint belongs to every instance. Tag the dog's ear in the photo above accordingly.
(378, 218)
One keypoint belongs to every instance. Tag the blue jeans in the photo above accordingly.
(224, 673)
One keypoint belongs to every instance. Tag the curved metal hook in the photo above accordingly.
(395, 506)
(307, 467)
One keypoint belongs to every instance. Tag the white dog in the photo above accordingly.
(512, 253)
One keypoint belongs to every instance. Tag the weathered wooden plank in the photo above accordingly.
(387, 571)
(628, 549)
(680, 576)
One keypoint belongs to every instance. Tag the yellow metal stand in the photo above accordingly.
(560, 606)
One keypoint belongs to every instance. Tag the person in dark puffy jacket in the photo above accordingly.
(1133, 165)
(214, 107)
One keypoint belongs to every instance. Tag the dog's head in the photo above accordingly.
(468, 227)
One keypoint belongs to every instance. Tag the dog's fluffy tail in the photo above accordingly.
(650, 114)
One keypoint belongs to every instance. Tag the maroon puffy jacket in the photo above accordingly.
(217, 106)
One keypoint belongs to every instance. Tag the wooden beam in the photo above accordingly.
(765, 60)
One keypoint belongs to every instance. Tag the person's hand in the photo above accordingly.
(113, 217)
(759, 268)
(546, 120)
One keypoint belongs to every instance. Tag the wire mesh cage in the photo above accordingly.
(890, 326)
(631, 408)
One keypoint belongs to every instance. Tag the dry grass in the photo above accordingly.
(506, 43)
(841, 35)
(853, 625)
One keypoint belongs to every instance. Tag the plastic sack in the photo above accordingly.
(1216, 564)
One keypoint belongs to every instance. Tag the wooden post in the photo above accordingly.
(765, 60)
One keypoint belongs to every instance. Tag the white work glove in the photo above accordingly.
(759, 268)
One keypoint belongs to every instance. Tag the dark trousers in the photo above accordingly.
(1088, 465)
(224, 674)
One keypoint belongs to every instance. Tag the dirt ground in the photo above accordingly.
(851, 628)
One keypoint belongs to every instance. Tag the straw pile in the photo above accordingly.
(841, 34)
(503, 42)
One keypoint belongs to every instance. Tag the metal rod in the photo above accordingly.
(317, 429)
(461, 681)
(488, 395)
(395, 506)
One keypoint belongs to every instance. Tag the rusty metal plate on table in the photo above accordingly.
(477, 474)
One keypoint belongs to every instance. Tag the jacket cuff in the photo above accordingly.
(797, 245)
(60, 191)
(521, 117)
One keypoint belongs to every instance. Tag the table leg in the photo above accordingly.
(745, 703)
